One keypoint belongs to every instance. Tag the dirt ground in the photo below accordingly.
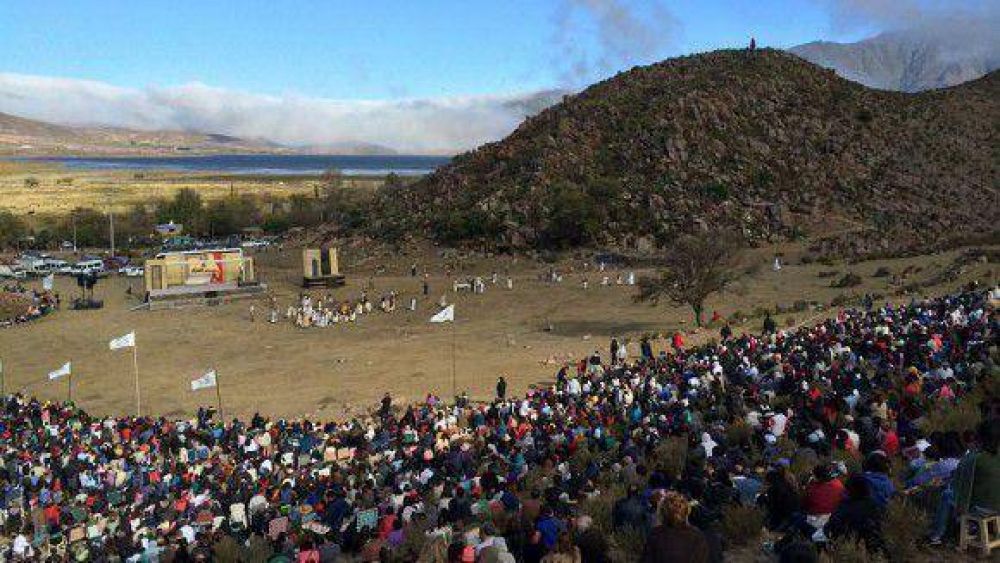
(331, 372)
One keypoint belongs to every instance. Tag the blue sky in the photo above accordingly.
(375, 49)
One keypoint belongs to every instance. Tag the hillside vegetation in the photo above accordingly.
(766, 143)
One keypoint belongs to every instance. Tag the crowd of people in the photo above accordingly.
(23, 305)
(517, 478)
(309, 311)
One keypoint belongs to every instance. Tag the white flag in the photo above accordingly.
(48, 281)
(126, 341)
(446, 315)
(204, 382)
(66, 369)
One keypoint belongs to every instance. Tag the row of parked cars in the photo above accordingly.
(40, 265)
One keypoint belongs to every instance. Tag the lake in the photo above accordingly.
(297, 164)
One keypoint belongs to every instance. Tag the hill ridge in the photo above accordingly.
(765, 142)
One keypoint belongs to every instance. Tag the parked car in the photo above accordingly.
(12, 271)
(132, 271)
(89, 267)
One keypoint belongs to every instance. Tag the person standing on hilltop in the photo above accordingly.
(501, 388)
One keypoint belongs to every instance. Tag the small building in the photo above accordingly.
(321, 266)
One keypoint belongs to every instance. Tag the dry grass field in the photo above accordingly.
(60, 190)
(332, 372)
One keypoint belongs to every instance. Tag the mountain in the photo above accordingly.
(348, 148)
(767, 144)
(24, 137)
(911, 60)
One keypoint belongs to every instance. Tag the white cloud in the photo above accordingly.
(439, 125)
(623, 32)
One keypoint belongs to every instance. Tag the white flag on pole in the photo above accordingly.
(204, 382)
(126, 341)
(48, 282)
(66, 369)
(446, 315)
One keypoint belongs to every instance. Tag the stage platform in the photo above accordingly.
(200, 295)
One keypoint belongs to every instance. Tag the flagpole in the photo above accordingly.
(454, 391)
(218, 396)
(135, 365)
(69, 386)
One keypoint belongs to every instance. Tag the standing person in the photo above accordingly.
(427, 286)
(647, 349)
(769, 325)
(614, 351)
(675, 540)
(677, 342)
(726, 332)
(413, 270)
(386, 408)
(501, 388)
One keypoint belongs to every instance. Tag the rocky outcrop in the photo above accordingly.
(765, 143)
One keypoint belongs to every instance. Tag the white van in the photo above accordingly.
(89, 267)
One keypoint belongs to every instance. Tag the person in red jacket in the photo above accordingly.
(824, 493)
(678, 342)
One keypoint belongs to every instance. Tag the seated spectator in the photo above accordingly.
(675, 540)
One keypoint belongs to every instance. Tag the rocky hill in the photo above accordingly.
(765, 143)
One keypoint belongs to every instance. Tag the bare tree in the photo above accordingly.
(695, 267)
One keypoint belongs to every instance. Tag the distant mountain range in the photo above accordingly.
(20, 136)
(910, 61)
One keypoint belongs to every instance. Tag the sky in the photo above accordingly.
(328, 71)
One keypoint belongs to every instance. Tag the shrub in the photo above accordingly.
(850, 550)
(670, 456)
(742, 525)
(599, 508)
(739, 434)
(627, 545)
(903, 527)
(226, 550)
(946, 416)
(882, 272)
(843, 299)
(850, 279)
(413, 543)
(259, 550)
(827, 273)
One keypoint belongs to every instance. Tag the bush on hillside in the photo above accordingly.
(850, 550)
(903, 528)
(850, 279)
(742, 525)
(627, 545)
(670, 455)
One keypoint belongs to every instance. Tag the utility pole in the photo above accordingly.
(73, 215)
(111, 221)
